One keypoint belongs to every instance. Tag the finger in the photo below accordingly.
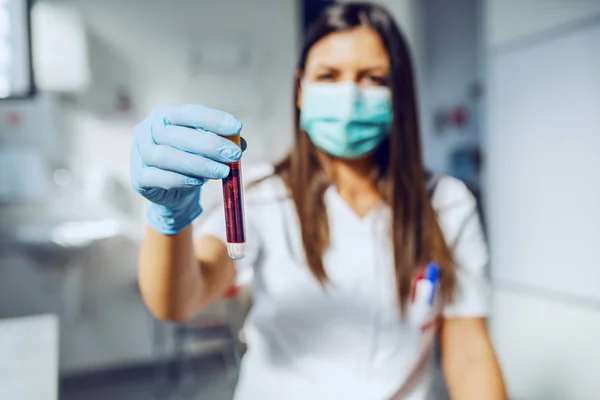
(142, 178)
(201, 117)
(197, 142)
(171, 159)
(142, 134)
(152, 177)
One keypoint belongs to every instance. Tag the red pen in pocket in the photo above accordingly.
(415, 281)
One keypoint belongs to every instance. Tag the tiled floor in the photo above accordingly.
(206, 379)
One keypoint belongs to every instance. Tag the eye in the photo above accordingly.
(325, 77)
(377, 80)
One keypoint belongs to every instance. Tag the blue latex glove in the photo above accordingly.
(174, 151)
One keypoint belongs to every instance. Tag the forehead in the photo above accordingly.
(360, 46)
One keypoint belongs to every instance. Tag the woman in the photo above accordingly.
(346, 300)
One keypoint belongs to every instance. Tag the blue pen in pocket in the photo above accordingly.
(432, 274)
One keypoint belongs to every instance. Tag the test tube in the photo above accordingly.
(234, 207)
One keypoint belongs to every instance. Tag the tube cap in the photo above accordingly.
(236, 251)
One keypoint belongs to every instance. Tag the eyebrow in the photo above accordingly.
(367, 69)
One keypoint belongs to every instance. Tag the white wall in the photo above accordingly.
(179, 60)
(509, 21)
(548, 347)
(547, 344)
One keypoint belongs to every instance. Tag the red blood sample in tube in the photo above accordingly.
(234, 207)
(234, 211)
(233, 201)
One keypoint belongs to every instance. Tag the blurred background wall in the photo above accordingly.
(542, 137)
(101, 67)
(70, 224)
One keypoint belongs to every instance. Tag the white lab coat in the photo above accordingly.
(346, 341)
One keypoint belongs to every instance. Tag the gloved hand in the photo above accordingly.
(174, 151)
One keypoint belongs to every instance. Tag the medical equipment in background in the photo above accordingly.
(460, 117)
(466, 162)
(233, 201)
(456, 118)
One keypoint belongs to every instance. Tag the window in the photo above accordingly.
(15, 50)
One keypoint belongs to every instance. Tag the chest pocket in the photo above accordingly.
(425, 306)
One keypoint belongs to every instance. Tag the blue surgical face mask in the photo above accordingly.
(346, 120)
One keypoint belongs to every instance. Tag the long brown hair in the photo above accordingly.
(401, 177)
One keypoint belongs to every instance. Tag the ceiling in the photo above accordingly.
(143, 29)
